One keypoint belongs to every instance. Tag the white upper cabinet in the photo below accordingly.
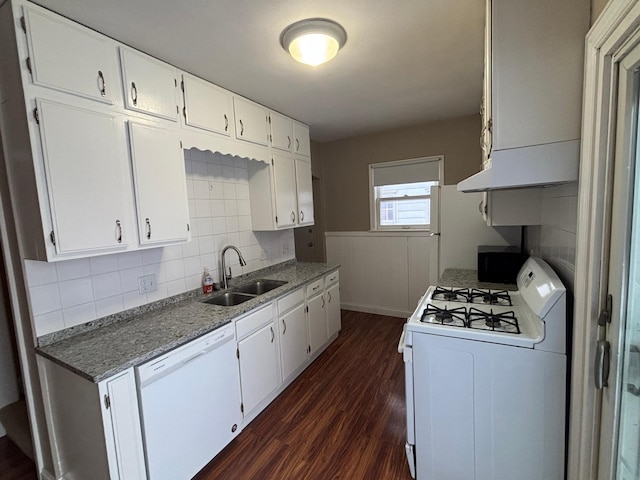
(281, 132)
(150, 86)
(87, 179)
(284, 179)
(302, 145)
(304, 191)
(206, 106)
(251, 121)
(70, 58)
(160, 185)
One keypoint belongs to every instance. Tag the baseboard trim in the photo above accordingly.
(376, 310)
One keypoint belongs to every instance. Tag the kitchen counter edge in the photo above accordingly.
(103, 352)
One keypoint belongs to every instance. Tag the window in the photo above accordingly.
(401, 193)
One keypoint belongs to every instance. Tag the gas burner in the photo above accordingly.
(489, 297)
(444, 316)
(451, 294)
(500, 322)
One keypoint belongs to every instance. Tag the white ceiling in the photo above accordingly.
(405, 61)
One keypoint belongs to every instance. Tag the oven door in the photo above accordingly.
(405, 348)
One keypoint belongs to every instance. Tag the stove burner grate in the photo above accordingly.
(451, 294)
(501, 322)
(490, 297)
(454, 317)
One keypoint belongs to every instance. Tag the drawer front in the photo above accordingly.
(314, 288)
(254, 321)
(290, 301)
(331, 278)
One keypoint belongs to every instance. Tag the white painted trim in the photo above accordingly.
(617, 22)
(376, 310)
(46, 475)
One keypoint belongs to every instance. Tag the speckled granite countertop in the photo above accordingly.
(102, 352)
(455, 277)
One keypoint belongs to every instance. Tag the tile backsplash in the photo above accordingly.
(555, 239)
(67, 293)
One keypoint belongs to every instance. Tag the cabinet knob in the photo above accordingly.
(102, 84)
(134, 93)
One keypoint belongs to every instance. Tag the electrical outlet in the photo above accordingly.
(147, 283)
(285, 248)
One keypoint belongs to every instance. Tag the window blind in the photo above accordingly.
(394, 173)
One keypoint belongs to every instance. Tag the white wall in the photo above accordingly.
(68, 293)
(555, 239)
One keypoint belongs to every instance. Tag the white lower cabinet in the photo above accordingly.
(94, 429)
(334, 322)
(316, 315)
(292, 326)
(257, 358)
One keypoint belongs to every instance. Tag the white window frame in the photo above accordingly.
(374, 203)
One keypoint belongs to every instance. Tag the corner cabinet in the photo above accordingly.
(94, 428)
(281, 194)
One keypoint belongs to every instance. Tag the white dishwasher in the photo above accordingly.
(190, 405)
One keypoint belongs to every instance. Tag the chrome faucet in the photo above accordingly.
(225, 277)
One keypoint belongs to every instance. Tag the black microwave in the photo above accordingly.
(499, 264)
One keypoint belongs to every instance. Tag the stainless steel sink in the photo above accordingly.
(260, 286)
(229, 299)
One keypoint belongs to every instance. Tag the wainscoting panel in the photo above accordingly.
(383, 273)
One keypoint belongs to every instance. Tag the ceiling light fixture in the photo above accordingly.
(313, 41)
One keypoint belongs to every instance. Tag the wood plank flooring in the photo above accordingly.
(15, 465)
(343, 418)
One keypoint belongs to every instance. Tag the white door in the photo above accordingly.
(258, 366)
(284, 179)
(160, 185)
(294, 343)
(304, 190)
(317, 322)
(87, 180)
(619, 332)
(150, 85)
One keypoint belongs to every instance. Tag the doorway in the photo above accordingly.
(605, 405)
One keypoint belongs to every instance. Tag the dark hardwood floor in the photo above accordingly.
(343, 418)
(15, 465)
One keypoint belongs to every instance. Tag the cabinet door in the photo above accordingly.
(258, 357)
(206, 105)
(302, 146)
(317, 322)
(121, 420)
(149, 85)
(284, 179)
(304, 190)
(86, 168)
(281, 132)
(71, 58)
(251, 121)
(334, 322)
(293, 340)
(160, 185)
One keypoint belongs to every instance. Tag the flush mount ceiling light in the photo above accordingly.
(313, 41)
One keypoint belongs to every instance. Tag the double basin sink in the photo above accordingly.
(245, 293)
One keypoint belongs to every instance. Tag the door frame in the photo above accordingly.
(616, 25)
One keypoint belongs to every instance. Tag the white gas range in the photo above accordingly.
(485, 378)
